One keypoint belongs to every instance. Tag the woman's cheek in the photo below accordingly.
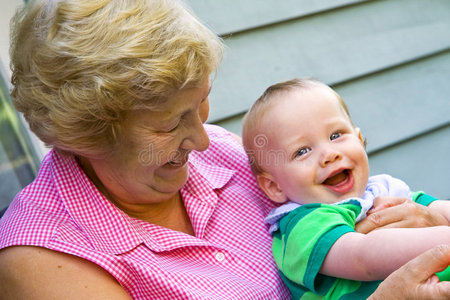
(156, 149)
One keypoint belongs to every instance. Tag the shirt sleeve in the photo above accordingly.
(422, 198)
(304, 238)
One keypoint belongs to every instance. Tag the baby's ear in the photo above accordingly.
(271, 188)
(360, 136)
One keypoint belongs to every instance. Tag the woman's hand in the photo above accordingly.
(389, 212)
(416, 279)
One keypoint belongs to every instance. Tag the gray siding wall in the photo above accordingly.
(389, 60)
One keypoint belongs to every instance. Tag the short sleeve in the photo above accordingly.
(422, 198)
(305, 237)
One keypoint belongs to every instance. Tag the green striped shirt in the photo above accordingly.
(302, 242)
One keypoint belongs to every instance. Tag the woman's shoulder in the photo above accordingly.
(28, 222)
(217, 133)
(224, 144)
(226, 150)
(37, 213)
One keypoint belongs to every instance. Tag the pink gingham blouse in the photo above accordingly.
(229, 258)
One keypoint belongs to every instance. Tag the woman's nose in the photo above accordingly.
(197, 139)
(329, 156)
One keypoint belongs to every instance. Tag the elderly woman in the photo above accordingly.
(138, 197)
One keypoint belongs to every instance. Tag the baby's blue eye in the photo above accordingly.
(335, 136)
(302, 151)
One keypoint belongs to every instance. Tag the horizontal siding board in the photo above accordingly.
(400, 103)
(334, 47)
(422, 163)
(231, 16)
(396, 104)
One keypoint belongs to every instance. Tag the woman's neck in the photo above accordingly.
(170, 213)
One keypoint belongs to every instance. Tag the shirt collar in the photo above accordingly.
(111, 230)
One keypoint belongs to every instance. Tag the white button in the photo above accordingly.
(220, 256)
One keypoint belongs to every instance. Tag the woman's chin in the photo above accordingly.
(171, 177)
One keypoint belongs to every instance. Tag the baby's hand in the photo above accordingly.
(389, 212)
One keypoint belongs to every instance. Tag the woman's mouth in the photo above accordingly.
(341, 182)
(177, 162)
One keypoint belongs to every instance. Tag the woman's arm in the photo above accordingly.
(38, 273)
(376, 255)
(416, 279)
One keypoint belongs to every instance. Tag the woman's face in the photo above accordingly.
(150, 165)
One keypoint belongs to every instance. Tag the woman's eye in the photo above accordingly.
(335, 136)
(302, 151)
(173, 128)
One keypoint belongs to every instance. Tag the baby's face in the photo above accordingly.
(313, 153)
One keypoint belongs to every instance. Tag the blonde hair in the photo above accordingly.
(252, 120)
(79, 66)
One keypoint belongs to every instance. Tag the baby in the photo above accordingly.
(307, 154)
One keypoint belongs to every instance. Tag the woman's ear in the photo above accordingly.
(271, 188)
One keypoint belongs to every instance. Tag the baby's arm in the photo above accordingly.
(442, 206)
(375, 255)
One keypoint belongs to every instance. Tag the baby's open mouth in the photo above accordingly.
(337, 178)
